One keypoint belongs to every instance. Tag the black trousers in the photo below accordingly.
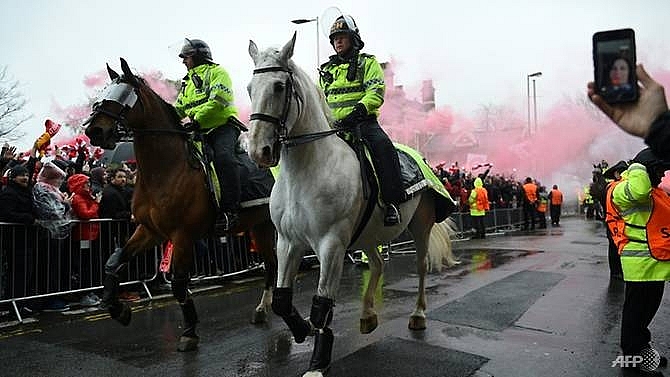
(639, 308)
(223, 140)
(478, 224)
(385, 160)
(555, 213)
(529, 215)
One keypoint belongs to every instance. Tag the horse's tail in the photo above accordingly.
(439, 246)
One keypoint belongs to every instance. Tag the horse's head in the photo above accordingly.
(272, 92)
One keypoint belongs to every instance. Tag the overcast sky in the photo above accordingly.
(477, 52)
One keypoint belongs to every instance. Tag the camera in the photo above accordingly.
(614, 63)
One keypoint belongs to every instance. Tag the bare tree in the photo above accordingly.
(12, 104)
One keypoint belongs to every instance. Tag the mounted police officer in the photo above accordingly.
(206, 99)
(353, 84)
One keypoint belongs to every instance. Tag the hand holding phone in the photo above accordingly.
(614, 62)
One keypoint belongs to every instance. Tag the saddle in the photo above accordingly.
(255, 183)
(417, 177)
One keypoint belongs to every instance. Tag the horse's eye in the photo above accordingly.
(279, 87)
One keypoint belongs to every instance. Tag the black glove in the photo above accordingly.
(355, 116)
(191, 126)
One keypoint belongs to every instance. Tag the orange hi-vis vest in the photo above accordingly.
(482, 199)
(531, 191)
(556, 197)
(657, 227)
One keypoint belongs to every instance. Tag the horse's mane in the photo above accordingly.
(170, 109)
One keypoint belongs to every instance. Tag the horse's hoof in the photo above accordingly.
(187, 343)
(417, 323)
(369, 324)
(125, 315)
(315, 373)
(259, 317)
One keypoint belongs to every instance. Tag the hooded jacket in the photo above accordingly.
(479, 200)
(84, 207)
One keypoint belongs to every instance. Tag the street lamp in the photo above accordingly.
(536, 74)
(307, 20)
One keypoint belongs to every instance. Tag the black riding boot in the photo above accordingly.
(223, 140)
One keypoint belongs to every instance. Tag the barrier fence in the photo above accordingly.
(34, 265)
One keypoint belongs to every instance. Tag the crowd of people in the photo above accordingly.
(50, 194)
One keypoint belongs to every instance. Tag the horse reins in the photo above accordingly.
(280, 122)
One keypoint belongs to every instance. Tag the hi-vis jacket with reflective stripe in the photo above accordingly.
(206, 96)
(367, 88)
(635, 216)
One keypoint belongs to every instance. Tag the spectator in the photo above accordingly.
(86, 256)
(614, 174)
(53, 213)
(16, 202)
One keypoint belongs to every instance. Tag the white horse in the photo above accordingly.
(318, 203)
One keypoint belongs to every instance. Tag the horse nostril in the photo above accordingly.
(93, 133)
(267, 151)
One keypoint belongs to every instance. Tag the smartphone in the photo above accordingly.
(614, 63)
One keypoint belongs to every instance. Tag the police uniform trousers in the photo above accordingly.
(223, 140)
(385, 160)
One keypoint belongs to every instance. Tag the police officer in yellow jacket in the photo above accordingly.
(353, 84)
(637, 213)
(206, 99)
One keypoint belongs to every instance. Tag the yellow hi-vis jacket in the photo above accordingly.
(206, 96)
(629, 203)
(342, 95)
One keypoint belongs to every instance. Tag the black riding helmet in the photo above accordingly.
(346, 25)
(197, 48)
(656, 167)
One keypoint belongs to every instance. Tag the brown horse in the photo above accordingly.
(171, 200)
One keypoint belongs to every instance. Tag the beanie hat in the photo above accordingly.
(16, 171)
(50, 173)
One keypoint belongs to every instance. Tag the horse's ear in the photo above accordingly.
(287, 51)
(253, 51)
(128, 74)
(112, 73)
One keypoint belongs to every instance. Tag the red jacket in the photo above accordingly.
(84, 207)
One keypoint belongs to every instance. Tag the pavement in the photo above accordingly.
(537, 303)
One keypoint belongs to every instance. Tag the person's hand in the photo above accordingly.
(10, 153)
(98, 197)
(193, 125)
(635, 117)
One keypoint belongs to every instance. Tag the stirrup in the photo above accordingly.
(392, 216)
(227, 221)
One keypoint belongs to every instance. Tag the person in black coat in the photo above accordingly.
(16, 207)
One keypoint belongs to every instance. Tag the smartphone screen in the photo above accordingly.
(614, 62)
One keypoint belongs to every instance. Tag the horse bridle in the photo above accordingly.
(280, 122)
(125, 95)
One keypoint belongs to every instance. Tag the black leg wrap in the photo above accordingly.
(180, 288)
(190, 318)
(323, 349)
(283, 307)
(322, 311)
(110, 292)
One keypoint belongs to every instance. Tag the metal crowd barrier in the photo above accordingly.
(34, 265)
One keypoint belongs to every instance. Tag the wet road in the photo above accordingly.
(520, 304)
